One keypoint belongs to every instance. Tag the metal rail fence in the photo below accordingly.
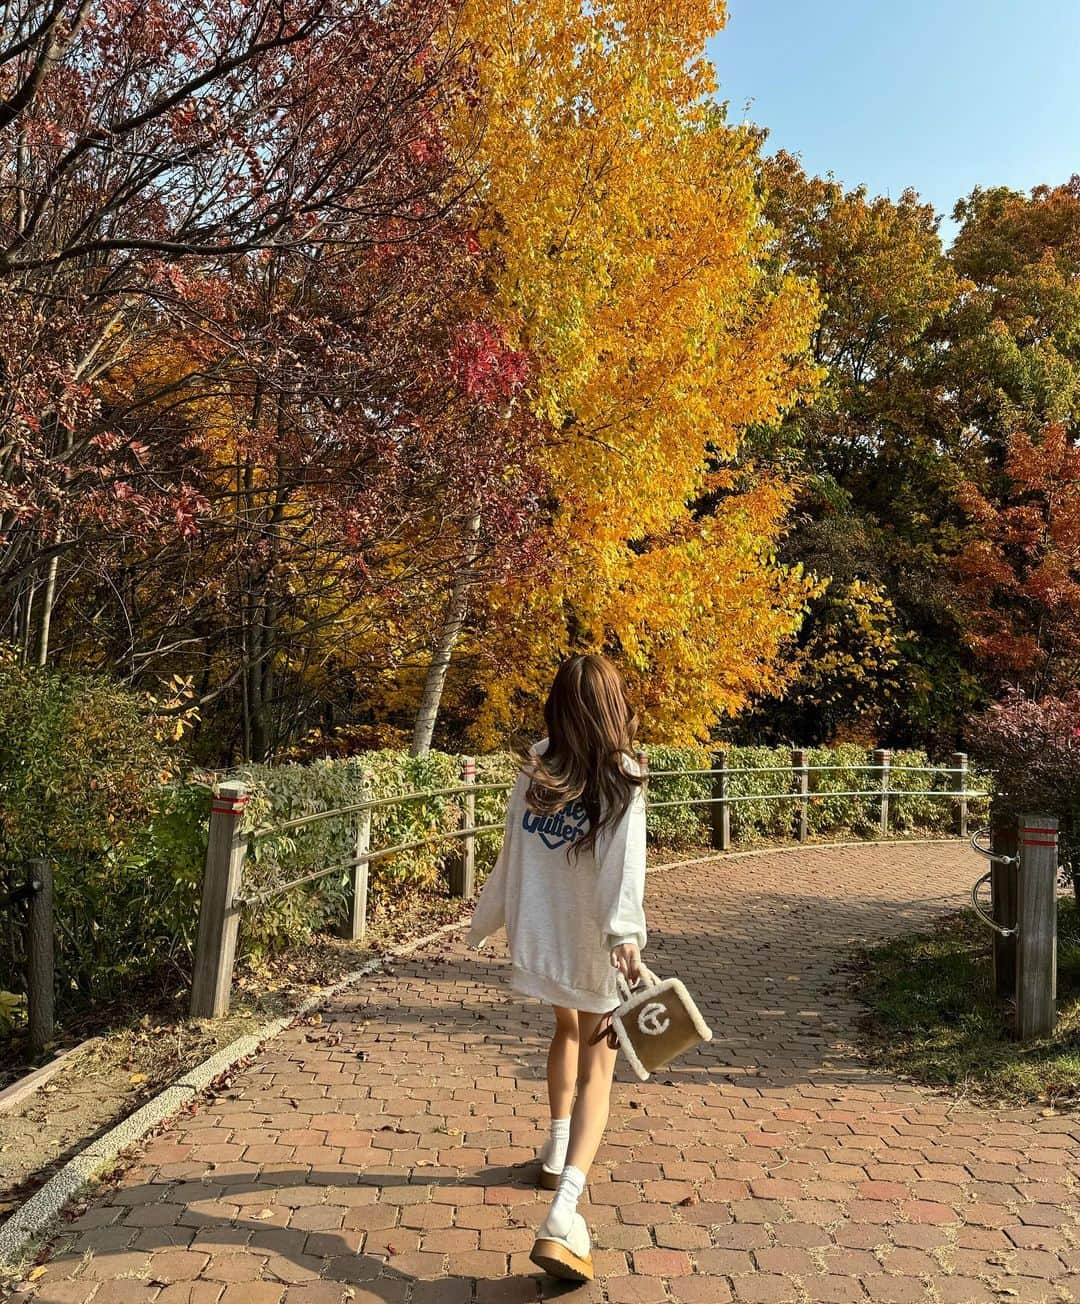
(224, 897)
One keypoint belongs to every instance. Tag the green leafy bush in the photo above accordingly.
(280, 793)
(678, 826)
(765, 772)
(82, 762)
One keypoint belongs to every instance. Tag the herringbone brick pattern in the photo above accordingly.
(385, 1155)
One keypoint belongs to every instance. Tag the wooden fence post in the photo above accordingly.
(881, 764)
(1036, 949)
(40, 956)
(1003, 906)
(960, 763)
(463, 877)
(802, 778)
(357, 895)
(219, 918)
(720, 807)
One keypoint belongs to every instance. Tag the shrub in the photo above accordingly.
(678, 826)
(283, 792)
(765, 771)
(1033, 747)
(81, 765)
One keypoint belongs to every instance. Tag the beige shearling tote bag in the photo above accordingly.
(654, 1023)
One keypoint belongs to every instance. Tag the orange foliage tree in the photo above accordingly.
(1020, 575)
(624, 220)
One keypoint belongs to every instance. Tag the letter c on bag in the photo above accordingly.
(653, 1019)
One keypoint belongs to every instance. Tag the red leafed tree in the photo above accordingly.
(1020, 577)
(243, 338)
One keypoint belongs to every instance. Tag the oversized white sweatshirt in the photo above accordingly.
(563, 915)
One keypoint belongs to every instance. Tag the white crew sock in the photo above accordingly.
(559, 1140)
(564, 1206)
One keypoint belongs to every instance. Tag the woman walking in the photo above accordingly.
(568, 886)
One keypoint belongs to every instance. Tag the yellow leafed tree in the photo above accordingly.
(634, 264)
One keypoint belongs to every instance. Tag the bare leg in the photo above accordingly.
(562, 1245)
(562, 1062)
(596, 1067)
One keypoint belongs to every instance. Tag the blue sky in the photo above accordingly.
(942, 95)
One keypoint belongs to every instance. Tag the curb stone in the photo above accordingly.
(33, 1217)
(25, 1086)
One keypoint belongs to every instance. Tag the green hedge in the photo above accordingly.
(280, 793)
(773, 820)
(284, 792)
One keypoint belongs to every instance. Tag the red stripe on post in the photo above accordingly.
(1038, 842)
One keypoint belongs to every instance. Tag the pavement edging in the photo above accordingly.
(33, 1217)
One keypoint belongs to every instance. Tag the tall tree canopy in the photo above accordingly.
(949, 378)
(252, 387)
(632, 262)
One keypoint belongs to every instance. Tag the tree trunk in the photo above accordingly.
(27, 632)
(48, 601)
(453, 620)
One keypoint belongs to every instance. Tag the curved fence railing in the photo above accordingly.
(225, 896)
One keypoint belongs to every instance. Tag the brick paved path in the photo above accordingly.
(769, 1166)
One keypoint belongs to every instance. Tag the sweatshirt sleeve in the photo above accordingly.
(621, 877)
(490, 913)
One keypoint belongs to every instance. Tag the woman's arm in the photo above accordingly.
(490, 913)
(621, 878)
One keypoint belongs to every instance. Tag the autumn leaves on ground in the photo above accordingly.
(342, 347)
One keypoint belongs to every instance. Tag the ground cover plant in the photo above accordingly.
(932, 1017)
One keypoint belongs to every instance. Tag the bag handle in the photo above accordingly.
(645, 975)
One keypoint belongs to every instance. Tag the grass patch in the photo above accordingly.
(932, 1017)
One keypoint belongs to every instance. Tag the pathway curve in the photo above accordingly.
(383, 1155)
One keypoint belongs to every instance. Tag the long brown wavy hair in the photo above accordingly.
(591, 731)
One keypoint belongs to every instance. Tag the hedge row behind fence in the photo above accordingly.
(774, 820)
(283, 792)
(154, 881)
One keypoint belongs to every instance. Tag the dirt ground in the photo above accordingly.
(136, 1058)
